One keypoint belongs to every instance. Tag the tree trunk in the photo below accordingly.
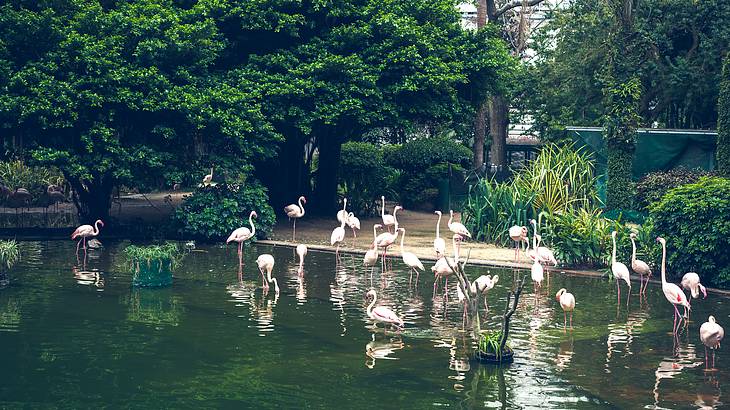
(285, 176)
(324, 197)
(498, 124)
(92, 199)
(480, 131)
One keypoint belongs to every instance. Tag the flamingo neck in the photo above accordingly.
(96, 228)
(395, 210)
(370, 306)
(250, 222)
(344, 205)
(633, 251)
(402, 238)
(382, 209)
(438, 225)
(301, 207)
(451, 218)
(613, 255)
(664, 263)
(375, 234)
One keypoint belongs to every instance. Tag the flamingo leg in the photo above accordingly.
(571, 319)
(618, 289)
(705, 357)
(78, 244)
(294, 233)
(565, 319)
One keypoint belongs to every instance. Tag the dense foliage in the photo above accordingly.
(422, 163)
(620, 123)
(365, 177)
(17, 174)
(213, 212)
(693, 220)
(723, 121)
(9, 254)
(652, 187)
(679, 44)
(168, 252)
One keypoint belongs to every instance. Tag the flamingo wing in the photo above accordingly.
(459, 228)
(338, 234)
(388, 220)
(81, 231)
(383, 314)
(640, 267)
(292, 210)
(412, 260)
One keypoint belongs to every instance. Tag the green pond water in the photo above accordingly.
(75, 334)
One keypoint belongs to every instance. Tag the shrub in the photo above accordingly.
(364, 176)
(212, 212)
(723, 121)
(652, 187)
(693, 220)
(9, 254)
(423, 162)
(491, 208)
(562, 178)
(16, 174)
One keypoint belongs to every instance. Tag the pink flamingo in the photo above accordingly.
(386, 239)
(342, 213)
(620, 271)
(382, 314)
(711, 334)
(243, 234)
(302, 252)
(441, 268)
(265, 262)
(337, 237)
(295, 212)
(542, 253)
(86, 231)
(639, 266)
(672, 292)
(691, 282)
(439, 244)
(371, 256)
(482, 285)
(410, 259)
(388, 220)
(458, 228)
(567, 302)
(354, 223)
(518, 234)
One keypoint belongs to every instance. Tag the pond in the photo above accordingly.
(76, 334)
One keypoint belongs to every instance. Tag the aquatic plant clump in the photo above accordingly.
(9, 255)
(152, 265)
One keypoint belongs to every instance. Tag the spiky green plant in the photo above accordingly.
(168, 251)
(490, 342)
(9, 254)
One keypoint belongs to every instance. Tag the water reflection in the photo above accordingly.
(382, 349)
(10, 315)
(260, 306)
(565, 353)
(155, 307)
(622, 334)
(86, 277)
(671, 367)
(708, 394)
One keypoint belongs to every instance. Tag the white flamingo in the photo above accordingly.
(542, 253)
(342, 213)
(386, 239)
(639, 266)
(567, 302)
(371, 256)
(295, 212)
(536, 271)
(382, 314)
(691, 282)
(208, 178)
(442, 267)
(518, 234)
(672, 292)
(265, 262)
(388, 220)
(711, 334)
(301, 252)
(458, 228)
(86, 231)
(620, 271)
(439, 244)
(243, 234)
(354, 223)
(410, 259)
(482, 285)
(337, 237)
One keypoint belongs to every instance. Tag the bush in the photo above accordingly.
(364, 177)
(423, 162)
(16, 174)
(693, 220)
(212, 212)
(492, 208)
(9, 255)
(652, 187)
(723, 121)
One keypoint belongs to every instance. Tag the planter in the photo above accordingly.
(152, 273)
(508, 356)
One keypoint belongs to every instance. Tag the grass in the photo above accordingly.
(489, 342)
(9, 254)
(168, 251)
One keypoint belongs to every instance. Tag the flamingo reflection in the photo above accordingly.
(382, 350)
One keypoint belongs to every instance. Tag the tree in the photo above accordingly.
(125, 92)
(723, 121)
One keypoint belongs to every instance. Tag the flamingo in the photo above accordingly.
(439, 244)
(711, 335)
(371, 256)
(54, 196)
(266, 262)
(243, 234)
(482, 285)
(302, 252)
(337, 237)
(672, 292)
(691, 282)
(639, 266)
(342, 213)
(86, 231)
(620, 271)
(542, 253)
(410, 259)
(388, 220)
(208, 178)
(458, 228)
(536, 271)
(295, 212)
(386, 239)
(518, 234)
(442, 267)
(354, 223)
(567, 302)
(382, 314)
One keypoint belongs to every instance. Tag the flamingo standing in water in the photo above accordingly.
(371, 256)
(541, 253)
(342, 213)
(482, 285)
(86, 231)
(672, 292)
(711, 334)
(265, 262)
(410, 259)
(567, 302)
(337, 237)
(442, 267)
(639, 266)
(439, 244)
(518, 234)
(691, 282)
(302, 252)
(386, 239)
(620, 271)
(382, 314)
(295, 212)
(388, 220)
(458, 228)
(243, 234)
(536, 271)
(354, 223)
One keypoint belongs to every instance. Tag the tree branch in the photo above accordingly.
(509, 6)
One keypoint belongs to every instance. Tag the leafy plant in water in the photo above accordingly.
(490, 342)
(9, 254)
(167, 252)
